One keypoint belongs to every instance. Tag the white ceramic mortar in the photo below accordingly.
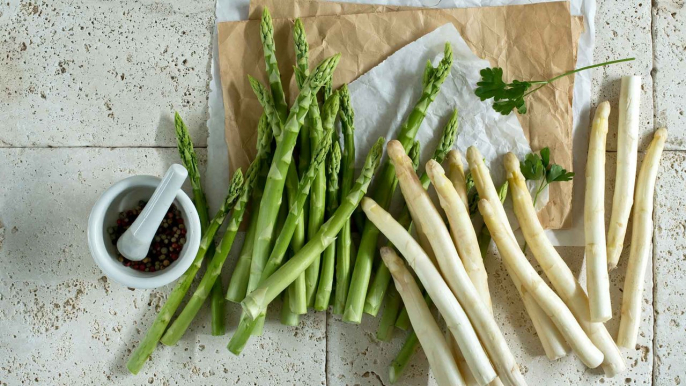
(125, 195)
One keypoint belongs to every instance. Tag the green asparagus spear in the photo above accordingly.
(288, 318)
(328, 89)
(408, 350)
(291, 182)
(218, 309)
(214, 269)
(281, 162)
(390, 313)
(269, 289)
(269, 47)
(382, 276)
(190, 162)
(403, 321)
(283, 240)
(298, 295)
(302, 50)
(239, 278)
(295, 211)
(317, 196)
(281, 109)
(291, 185)
(148, 344)
(343, 242)
(329, 257)
(280, 221)
(414, 153)
(447, 139)
(297, 301)
(318, 191)
(433, 79)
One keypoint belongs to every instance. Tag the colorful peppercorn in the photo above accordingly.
(167, 245)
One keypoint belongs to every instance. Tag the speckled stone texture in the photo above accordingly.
(623, 30)
(103, 73)
(99, 78)
(670, 271)
(63, 323)
(669, 33)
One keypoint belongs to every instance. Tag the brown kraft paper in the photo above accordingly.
(530, 42)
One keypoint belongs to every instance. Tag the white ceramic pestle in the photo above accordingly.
(135, 242)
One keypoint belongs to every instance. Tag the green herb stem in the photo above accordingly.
(551, 80)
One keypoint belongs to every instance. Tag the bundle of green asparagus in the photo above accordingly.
(301, 192)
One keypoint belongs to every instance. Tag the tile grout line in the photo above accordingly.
(326, 347)
(98, 147)
(654, 257)
(205, 147)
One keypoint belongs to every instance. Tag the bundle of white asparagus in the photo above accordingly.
(447, 259)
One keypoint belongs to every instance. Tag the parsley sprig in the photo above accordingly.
(510, 96)
(537, 168)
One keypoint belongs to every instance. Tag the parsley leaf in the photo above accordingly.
(532, 167)
(491, 85)
(506, 96)
(537, 168)
(558, 174)
(510, 96)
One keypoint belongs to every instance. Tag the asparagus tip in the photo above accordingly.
(603, 110)
(433, 168)
(368, 204)
(473, 155)
(511, 163)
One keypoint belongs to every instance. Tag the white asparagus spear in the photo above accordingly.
(424, 241)
(456, 175)
(423, 323)
(455, 318)
(451, 267)
(452, 191)
(641, 236)
(467, 375)
(627, 154)
(552, 341)
(597, 278)
(555, 268)
(553, 306)
(461, 229)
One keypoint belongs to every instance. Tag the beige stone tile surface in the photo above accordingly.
(97, 73)
(109, 74)
(623, 30)
(64, 323)
(670, 270)
(669, 34)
